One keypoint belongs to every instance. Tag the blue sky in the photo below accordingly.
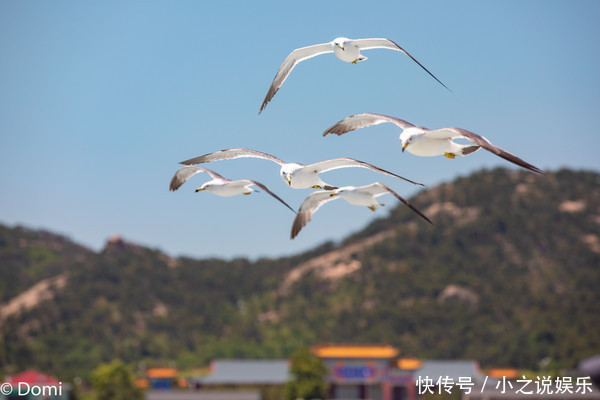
(99, 101)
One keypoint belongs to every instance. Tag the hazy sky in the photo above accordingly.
(99, 101)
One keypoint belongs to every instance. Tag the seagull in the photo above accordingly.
(297, 176)
(219, 185)
(426, 142)
(357, 196)
(345, 49)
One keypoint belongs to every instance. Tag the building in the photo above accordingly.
(359, 372)
(244, 373)
(375, 372)
(161, 378)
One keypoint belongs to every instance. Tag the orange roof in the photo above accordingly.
(161, 373)
(509, 373)
(409, 363)
(355, 351)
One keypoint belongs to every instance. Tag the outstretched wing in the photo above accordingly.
(309, 206)
(185, 173)
(336, 163)
(380, 43)
(378, 189)
(230, 154)
(266, 189)
(301, 54)
(486, 144)
(363, 120)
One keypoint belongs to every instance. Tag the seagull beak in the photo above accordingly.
(404, 145)
(199, 189)
(342, 47)
(289, 180)
(333, 194)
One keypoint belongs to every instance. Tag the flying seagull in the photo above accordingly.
(358, 196)
(426, 142)
(345, 49)
(297, 176)
(219, 185)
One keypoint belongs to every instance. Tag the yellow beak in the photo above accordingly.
(199, 189)
(333, 194)
(404, 145)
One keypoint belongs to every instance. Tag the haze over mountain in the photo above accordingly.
(508, 275)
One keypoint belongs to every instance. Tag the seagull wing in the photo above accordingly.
(230, 154)
(301, 54)
(444, 134)
(185, 173)
(486, 144)
(380, 43)
(336, 163)
(309, 206)
(363, 120)
(378, 189)
(266, 189)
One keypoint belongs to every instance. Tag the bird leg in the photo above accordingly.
(247, 193)
(372, 208)
(316, 187)
(449, 155)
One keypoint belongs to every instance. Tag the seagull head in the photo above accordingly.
(288, 171)
(339, 42)
(286, 176)
(203, 187)
(407, 137)
(341, 190)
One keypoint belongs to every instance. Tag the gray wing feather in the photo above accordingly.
(336, 163)
(230, 154)
(185, 173)
(301, 54)
(378, 189)
(266, 189)
(363, 120)
(379, 43)
(309, 206)
(486, 144)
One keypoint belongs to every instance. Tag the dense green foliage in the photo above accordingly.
(309, 374)
(115, 381)
(508, 275)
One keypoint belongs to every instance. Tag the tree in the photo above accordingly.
(115, 381)
(309, 377)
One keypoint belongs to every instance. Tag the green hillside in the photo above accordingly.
(508, 275)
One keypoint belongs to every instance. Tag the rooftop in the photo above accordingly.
(239, 372)
(355, 351)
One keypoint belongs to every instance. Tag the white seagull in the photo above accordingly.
(297, 176)
(426, 142)
(357, 196)
(219, 185)
(345, 49)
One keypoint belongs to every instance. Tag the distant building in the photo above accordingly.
(376, 372)
(246, 373)
(161, 378)
(33, 385)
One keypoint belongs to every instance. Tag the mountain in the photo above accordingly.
(508, 275)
